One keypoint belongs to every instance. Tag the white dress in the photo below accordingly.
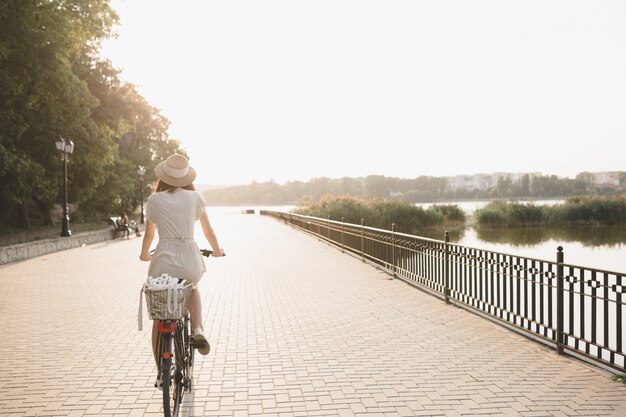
(177, 253)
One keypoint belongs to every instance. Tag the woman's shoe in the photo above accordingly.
(201, 343)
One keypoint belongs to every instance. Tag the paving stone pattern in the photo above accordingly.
(297, 329)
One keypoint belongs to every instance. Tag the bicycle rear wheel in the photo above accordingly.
(172, 369)
(179, 369)
(165, 356)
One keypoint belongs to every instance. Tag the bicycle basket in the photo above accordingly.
(168, 303)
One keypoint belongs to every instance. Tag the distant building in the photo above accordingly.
(605, 179)
(484, 181)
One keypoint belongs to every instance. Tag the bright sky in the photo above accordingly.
(293, 90)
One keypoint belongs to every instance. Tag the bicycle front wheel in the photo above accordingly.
(188, 349)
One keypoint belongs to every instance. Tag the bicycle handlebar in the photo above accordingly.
(204, 252)
(209, 252)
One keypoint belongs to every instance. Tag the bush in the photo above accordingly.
(450, 213)
(381, 213)
(591, 210)
(579, 210)
(501, 213)
(526, 214)
(334, 208)
(493, 214)
(407, 217)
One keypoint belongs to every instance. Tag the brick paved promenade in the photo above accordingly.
(297, 328)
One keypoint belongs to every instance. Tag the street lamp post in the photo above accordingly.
(65, 148)
(141, 171)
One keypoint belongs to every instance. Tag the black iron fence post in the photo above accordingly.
(328, 230)
(559, 300)
(362, 240)
(393, 249)
(446, 268)
(342, 226)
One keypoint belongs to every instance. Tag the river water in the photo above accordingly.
(600, 247)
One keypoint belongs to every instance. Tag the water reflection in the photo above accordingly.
(602, 247)
(588, 236)
(456, 235)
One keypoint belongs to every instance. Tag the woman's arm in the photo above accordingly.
(210, 235)
(148, 236)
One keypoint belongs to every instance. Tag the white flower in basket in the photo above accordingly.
(167, 298)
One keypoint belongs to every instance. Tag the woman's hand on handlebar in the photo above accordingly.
(208, 252)
(218, 253)
(145, 256)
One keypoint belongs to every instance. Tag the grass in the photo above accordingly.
(619, 378)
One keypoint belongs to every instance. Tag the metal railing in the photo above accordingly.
(575, 309)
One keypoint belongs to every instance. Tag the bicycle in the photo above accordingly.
(175, 350)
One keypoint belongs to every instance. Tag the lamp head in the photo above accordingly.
(64, 145)
(60, 144)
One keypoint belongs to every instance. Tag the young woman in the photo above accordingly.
(174, 208)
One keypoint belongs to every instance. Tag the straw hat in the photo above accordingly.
(175, 171)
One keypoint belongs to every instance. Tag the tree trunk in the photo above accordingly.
(45, 212)
(24, 219)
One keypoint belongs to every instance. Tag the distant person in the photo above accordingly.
(130, 224)
(174, 208)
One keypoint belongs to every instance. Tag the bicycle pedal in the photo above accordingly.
(201, 346)
(198, 343)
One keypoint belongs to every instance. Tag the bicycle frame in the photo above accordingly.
(176, 362)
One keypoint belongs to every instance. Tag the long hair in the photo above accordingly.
(163, 186)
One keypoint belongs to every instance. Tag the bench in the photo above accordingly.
(119, 227)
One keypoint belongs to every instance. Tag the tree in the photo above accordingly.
(53, 83)
(376, 186)
(40, 94)
(525, 185)
(503, 187)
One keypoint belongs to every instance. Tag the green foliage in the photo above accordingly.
(351, 209)
(619, 378)
(501, 213)
(578, 210)
(380, 213)
(451, 213)
(595, 210)
(52, 83)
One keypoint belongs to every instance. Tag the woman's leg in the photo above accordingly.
(195, 309)
(155, 339)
